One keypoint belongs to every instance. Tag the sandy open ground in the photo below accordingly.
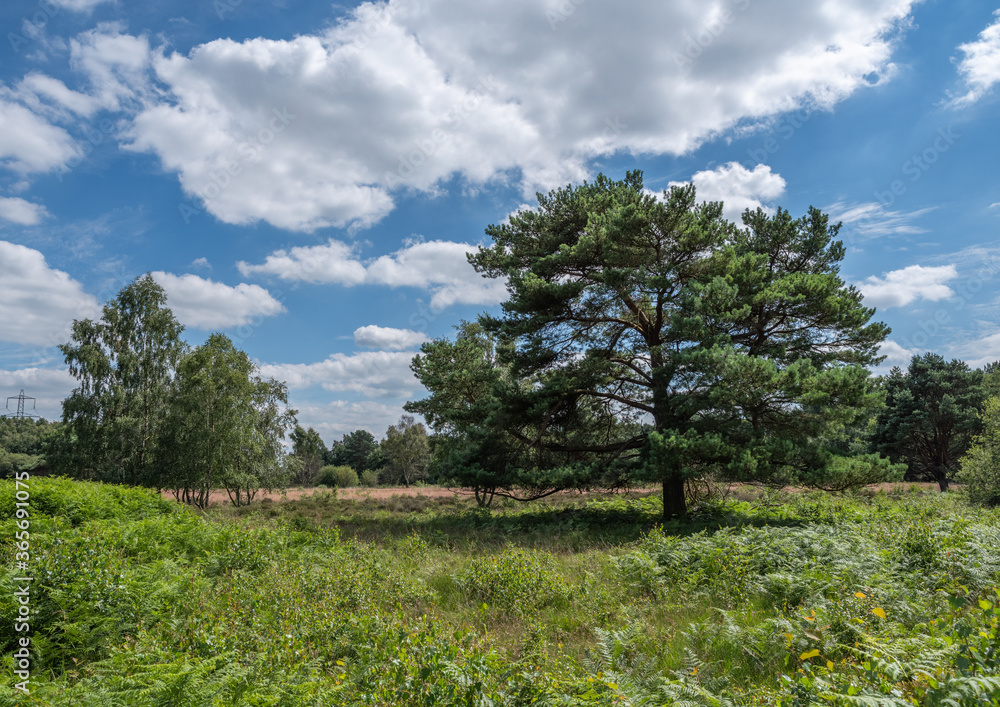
(222, 498)
(292, 494)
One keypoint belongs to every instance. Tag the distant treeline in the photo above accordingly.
(22, 443)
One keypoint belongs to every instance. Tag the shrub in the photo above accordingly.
(326, 477)
(338, 477)
(369, 478)
(82, 501)
(11, 463)
(737, 566)
(514, 580)
(981, 465)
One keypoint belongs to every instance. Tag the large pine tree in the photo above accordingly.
(653, 336)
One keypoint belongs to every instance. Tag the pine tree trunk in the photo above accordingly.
(674, 505)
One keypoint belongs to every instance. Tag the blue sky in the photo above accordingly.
(308, 177)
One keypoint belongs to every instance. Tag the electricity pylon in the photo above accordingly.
(20, 398)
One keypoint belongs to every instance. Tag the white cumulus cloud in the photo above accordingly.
(982, 351)
(980, 68)
(20, 211)
(901, 287)
(29, 144)
(37, 303)
(377, 337)
(48, 96)
(895, 355)
(334, 262)
(206, 304)
(117, 65)
(79, 5)
(375, 374)
(738, 188)
(328, 129)
(440, 267)
(335, 419)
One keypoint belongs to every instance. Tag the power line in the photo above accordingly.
(20, 398)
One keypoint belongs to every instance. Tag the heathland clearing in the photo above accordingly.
(575, 600)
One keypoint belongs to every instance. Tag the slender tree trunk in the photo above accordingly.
(674, 505)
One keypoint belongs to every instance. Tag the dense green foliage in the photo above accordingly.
(56, 500)
(980, 472)
(22, 442)
(930, 415)
(338, 477)
(652, 339)
(469, 386)
(309, 449)
(123, 364)
(358, 450)
(794, 599)
(27, 435)
(223, 427)
(150, 412)
(406, 451)
(12, 463)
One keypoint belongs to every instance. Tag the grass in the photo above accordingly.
(765, 598)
